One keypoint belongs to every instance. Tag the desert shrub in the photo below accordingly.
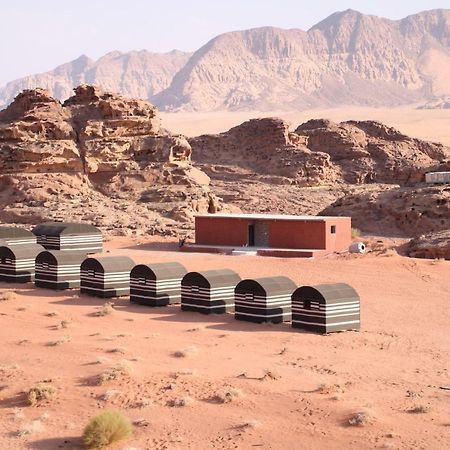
(419, 409)
(106, 428)
(251, 424)
(180, 402)
(188, 351)
(356, 233)
(104, 310)
(361, 418)
(33, 427)
(270, 374)
(121, 370)
(40, 393)
(7, 296)
(227, 395)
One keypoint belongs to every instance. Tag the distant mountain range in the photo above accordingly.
(347, 59)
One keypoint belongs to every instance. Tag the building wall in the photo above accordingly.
(341, 240)
(289, 234)
(211, 231)
(297, 234)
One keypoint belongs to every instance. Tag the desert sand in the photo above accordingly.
(396, 364)
(431, 125)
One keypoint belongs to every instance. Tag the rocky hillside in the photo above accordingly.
(348, 58)
(98, 157)
(137, 74)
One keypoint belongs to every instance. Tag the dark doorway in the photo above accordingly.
(251, 235)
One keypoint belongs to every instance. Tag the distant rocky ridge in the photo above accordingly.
(348, 58)
(136, 74)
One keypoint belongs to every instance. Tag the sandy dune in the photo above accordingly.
(432, 125)
(398, 361)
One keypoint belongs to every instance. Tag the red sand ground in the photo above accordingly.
(399, 360)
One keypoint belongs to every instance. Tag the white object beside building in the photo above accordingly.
(438, 177)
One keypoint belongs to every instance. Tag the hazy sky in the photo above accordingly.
(37, 35)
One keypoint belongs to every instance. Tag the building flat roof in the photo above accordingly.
(268, 217)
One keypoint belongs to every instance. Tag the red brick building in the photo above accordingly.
(272, 235)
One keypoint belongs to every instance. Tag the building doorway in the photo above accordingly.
(251, 235)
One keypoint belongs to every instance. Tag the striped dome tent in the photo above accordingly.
(17, 262)
(264, 299)
(326, 307)
(69, 237)
(16, 236)
(56, 269)
(210, 291)
(157, 284)
(107, 276)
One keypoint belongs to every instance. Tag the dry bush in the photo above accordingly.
(8, 296)
(227, 395)
(180, 402)
(33, 427)
(270, 374)
(104, 310)
(419, 409)
(120, 350)
(40, 393)
(106, 428)
(63, 324)
(251, 424)
(52, 314)
(108, 395)
(355, 233)
(361, 418)
(325, 388)
(121, 370)
(193, 372)
(144, 403)
(58, 342)
(188, 351)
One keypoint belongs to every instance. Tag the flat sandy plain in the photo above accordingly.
(432, 125)
(395, 365)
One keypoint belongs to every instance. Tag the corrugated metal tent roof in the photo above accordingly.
(161, 271)
(212, 278)
(329, 293)
(21, 251)
(14, 232)
(267, 286)
(109, 263)
(61, 257)
(64, 228)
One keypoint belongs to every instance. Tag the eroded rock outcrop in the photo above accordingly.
(102, 151)
(264, 147)
(431, 246)
(369, 151)
(386, 210)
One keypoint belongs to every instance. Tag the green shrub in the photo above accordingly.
(106, 428)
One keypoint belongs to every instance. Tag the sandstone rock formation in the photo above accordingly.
(319, 152)
(391, 210)
(431, 246)
(100, 151)
(348, 58)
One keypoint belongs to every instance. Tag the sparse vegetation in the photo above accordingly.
(121, 370)
(52, 314)
(419, 409)
(33, 427)
(251, 424)
(180, 402)
(188, 351)
(58, 342)
(361, 418)
(270, 374)
(39, 393)
(8, 296)
(104, 310)
(106, 428)
(355, 233)
(228, 394)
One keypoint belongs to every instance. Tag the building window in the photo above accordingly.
(333, 229)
